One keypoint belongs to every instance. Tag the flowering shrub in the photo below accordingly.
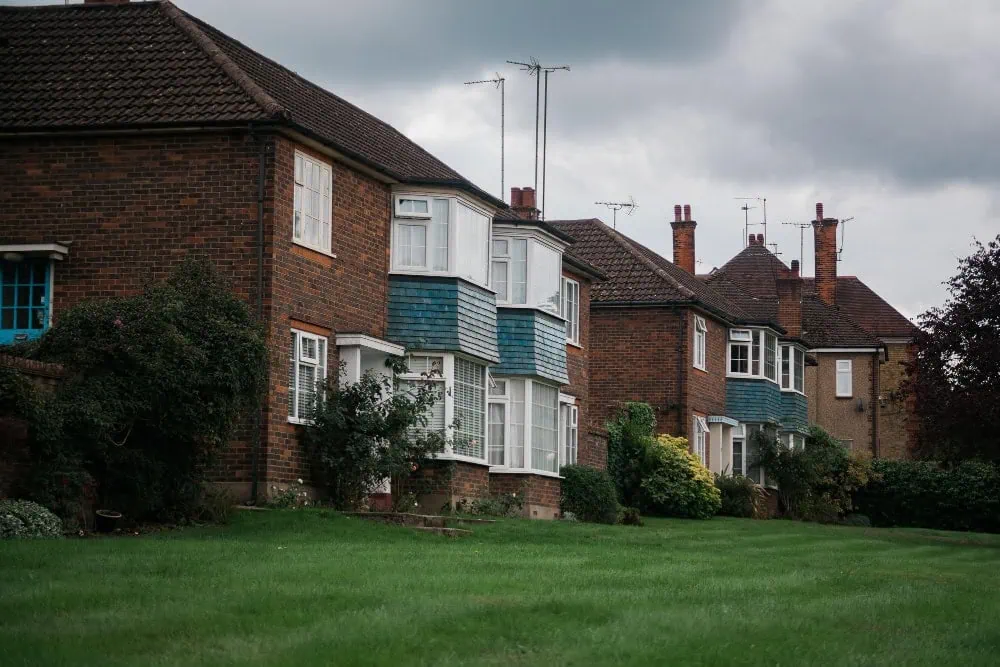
(676, 483)
(23, 518)
(293, 496)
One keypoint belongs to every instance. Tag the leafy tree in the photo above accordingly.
(366, 432)
(955, 377)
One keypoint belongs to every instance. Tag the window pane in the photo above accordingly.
(500, 248)
(516, 423)
(439, 235)
(500, 280)
(544, 427)
(498, 420)
(473, 230)
(546, 278)
(770, 352)
(413, 245)
(786, 367)
(519, 271)
(738, 457)
(755, 362)
(470, 406)
(739, 358)
(800, 370)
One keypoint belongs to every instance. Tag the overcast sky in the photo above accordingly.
(886, 111)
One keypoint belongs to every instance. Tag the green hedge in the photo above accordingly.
(589, 494)
(927, 495)
(23, 518)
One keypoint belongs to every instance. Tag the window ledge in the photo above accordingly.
(445, 456)
(793, 391)
(504, 470)
(300, 422)
(314, 249)
(576, 345)
(703, 369)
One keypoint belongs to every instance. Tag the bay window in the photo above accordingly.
(527, 272)
(312, 203)
(571, 310)
(753, 353)
(793, 440)
(306, 373)
(793, 368)
(440, 235)
(527, 432)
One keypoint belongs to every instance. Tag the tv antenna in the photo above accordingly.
(843, 231)
(535, 69)
(498, 81)
(545, 129)
(746, 208)
(615, 206)
(774, 249)
(803, 226)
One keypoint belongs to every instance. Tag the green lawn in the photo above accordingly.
(313, 588)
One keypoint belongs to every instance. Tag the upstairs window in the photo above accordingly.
(571, 310)
(739, 351)
(753, 353)
(845, 378)
(441, 235)
(306, 373)
(311, 226)
(700, 337)
(770, 357)
(793, 368)
(527, 272)
(24, 299)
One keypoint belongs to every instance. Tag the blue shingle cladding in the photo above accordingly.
(443, 314)
(531, 343)
(794, 411)
(753, 401)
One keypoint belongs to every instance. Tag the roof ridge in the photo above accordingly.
(267, 103)
(632, 250)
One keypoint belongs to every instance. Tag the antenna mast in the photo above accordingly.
(615, 206)
(746, 208)
(499, 82)
(803, 226)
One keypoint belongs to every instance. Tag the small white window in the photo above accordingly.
(413, 207)
(312, 220)
(800, 371)
(569, 417)
(571, 310)
(700, 336)
(742, 335)
(739, 454)
(770, 357)
(306, 373)
(845, 379)
(793, 368)
(700, 430)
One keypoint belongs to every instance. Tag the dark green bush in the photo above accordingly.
(676, 483)
(23, 518)
(928, 495)
(629, 435)
(589, 494)
(629, 516)
(741, 497)
(156, 385)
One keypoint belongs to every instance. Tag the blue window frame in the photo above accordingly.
(24, 299)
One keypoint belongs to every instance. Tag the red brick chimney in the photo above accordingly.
(522, 200)
(684, 238)
(755, 239)
(789, 287)
(825, 244)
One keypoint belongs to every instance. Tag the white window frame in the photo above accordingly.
(739, 436)
(571, 310)
(499, 398)
(699, 432)
(749, 339)
(298, 182)
(795, 372)
(528, 468)
(533, 241)
(700, 343)
(742, 338)
(452, 270)
(297, 359)
(845, 369)
(447, 377)
(569, 423)
(398, 199)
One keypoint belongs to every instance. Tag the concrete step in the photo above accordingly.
(447, 532)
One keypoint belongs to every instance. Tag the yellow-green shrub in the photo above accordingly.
(676, 483)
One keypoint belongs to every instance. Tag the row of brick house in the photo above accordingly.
(133, 135)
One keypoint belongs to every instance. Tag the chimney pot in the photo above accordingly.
(752, 239)
(515, 197)
(528, 197)
(677, 212)
(687, 212)
(819, 211)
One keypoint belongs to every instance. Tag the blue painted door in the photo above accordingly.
(24, 299)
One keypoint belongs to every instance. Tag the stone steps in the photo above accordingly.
(424, 522)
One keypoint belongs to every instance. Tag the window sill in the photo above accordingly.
(314, 249)
(403, 271)
(504, 470)
(793, 391)
(699, 368)
(524, 306)
(576, 345)
(445, 456)
(845, 396)
(300, 422)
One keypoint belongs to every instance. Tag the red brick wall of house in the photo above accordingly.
(439, 484)
(315, 292)
(704, 391)
(592, 450)
(541, 493)
(636, 355)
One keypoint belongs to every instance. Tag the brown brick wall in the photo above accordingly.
(840, 416)
(636, 355)
(541, 493)
(896, 410)
(704, 391)
(13, 432)
(310, 290)
(592, 450)
(439, 484)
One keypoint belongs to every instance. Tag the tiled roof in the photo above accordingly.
(636, 274)
(753, 272)
(150, 64)
(868, 309)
